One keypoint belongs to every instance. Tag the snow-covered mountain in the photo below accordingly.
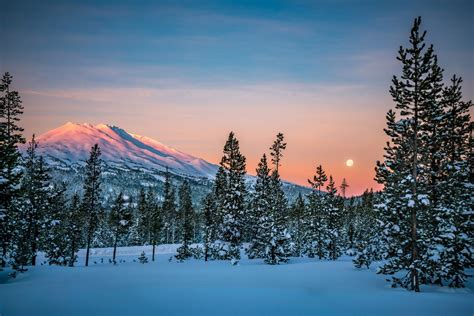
(71, 143)
(130, 162)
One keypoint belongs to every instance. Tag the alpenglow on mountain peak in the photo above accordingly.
(71, 143)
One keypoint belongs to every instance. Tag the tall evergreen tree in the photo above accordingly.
(414, 171)
(29, 211)
(35, 187)
(279, 248)
(233, 200)
(74, 221)
(92, 193)
(297, 214)
(169, 210)
(55, 235)
(143, 213)
(366, 232)
(209, 210)
(333, 214)
(10, 174)
(451, 250)
(260, 212)
(156, 221)
(187, 212)
(315, 238)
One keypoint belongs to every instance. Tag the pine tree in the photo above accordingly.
(451, 251)
(315, 237)
(333, 214)
(143, 258)
(409, 170)
(56, 238)
(169, 209)
(143, 213)
(276, 151)
(187, 212)
(209, 209)
(233, 200)
(120, 220)
(392, 210)
(35, 187)
(350, 223)
(92, 192)
(297, 214)
(279, 248)
(10, 158)
(74, 221)
(104, 235)
(319, 179)
(260, 213)
(366, 232)
(155, 219)
(344, 187)
(218, 246)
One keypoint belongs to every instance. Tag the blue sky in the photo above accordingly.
(219, 42)
(187, 72)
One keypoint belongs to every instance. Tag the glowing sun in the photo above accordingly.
(349, 162)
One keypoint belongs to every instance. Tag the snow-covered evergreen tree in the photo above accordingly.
(279, 248)
(92, 194)
(29, 210)
(169, 210)
(155, 218)
(367, 241)
(143, 258)
(232, 205)
(260, 212)
(120, 220)
(36, 190)
(218, 248)
(297, 213)
(332, 208)
(74, 221)
(451, 249)
(412, 210)
(209, 226)
(349, 224)
(54, 236)
(187, 214)
(316, 237)
(143, 214)
(10, 159)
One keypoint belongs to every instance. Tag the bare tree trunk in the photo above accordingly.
(88, 248)
(115, 247)
(73, 245)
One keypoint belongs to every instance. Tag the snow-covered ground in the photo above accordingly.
(302, 287)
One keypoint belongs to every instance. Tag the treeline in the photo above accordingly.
(40, 215)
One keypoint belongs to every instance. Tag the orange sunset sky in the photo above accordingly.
(187, 73)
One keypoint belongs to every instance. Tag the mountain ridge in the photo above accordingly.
(71, 143)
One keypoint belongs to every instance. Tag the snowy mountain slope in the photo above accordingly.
(71, 143)
(131, 162)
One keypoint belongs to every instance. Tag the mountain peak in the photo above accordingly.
(71, 143)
